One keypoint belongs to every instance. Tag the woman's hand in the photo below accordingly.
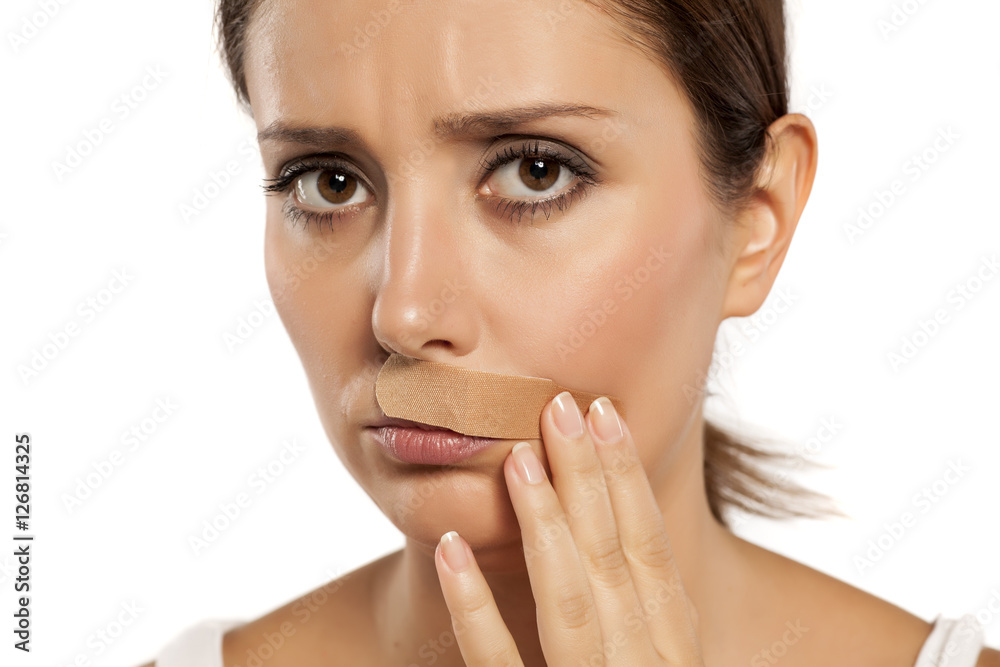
(602, 572)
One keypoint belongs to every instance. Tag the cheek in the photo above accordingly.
(645, 296)
(316, 293)
(639, 321)
(292, 288)
(670, 328)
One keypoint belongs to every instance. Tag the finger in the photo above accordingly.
(480, 631)
(567, 616)
(657, 581)
(579, 480)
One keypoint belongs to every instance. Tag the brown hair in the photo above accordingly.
(729, 57)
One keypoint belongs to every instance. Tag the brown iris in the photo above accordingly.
(539, 173)
(335, 186)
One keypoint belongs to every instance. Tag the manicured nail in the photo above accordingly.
(454, 551)
(567, 415)
(527, 464)
(605, 419)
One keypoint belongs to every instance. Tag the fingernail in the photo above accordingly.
(527, 464)
(605, 419)
(454, 552)
(567, 415)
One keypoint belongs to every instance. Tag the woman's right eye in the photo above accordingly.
(329, 189)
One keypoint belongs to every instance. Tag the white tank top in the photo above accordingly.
(952, 642)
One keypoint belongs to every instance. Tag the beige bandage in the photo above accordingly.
(477, 403)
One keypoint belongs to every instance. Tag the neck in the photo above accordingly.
(417, 621)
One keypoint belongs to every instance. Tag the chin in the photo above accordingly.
(426, 507)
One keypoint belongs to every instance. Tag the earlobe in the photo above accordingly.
(764, 229)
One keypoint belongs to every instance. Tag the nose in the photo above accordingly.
(423, 299)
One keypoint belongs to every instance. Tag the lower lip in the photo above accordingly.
(416, 445)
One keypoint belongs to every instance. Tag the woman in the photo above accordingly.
(556, 160)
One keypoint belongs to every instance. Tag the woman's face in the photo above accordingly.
(614, 285)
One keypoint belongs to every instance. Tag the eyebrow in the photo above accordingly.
(450, 126)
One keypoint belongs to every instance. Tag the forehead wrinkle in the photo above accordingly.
(451, 47)
(402, 88)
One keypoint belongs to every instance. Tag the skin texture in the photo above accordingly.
(427, 221)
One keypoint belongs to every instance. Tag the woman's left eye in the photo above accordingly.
(531, 176)
(531, 169)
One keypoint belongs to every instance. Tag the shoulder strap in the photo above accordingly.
(952, 642)
(199, 645)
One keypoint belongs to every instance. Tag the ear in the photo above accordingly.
(763, 231)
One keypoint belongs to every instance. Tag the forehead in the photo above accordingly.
(392, 65)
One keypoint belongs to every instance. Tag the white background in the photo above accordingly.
(877, 101)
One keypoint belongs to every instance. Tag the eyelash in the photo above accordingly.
(587, 177)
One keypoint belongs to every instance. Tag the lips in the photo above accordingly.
(423, 444)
